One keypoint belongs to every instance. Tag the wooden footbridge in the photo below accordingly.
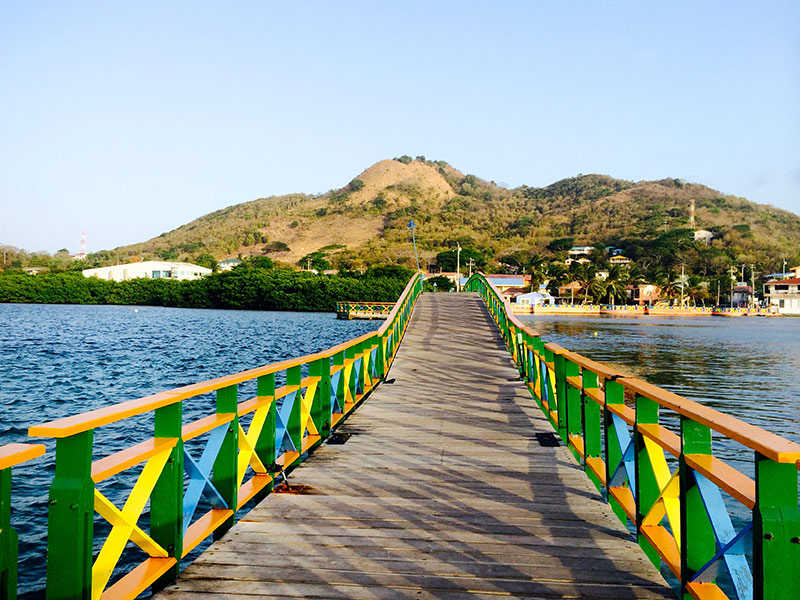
(482, 462)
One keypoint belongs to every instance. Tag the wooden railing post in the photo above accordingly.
(574, 427)
(225, 473)
(265, 444)
(776, 531)
(561, 396)
(166, 500)
(70, 525)
(697, 534)
(294, 428)
(321, 407)
(614, 394)
(8, 540)
(592, 426)
(647, 489)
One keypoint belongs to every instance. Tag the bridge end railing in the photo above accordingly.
(650, 452)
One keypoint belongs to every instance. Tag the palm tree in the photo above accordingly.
(538, 269)
(615, 284)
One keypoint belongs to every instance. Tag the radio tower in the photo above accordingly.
(691, 214)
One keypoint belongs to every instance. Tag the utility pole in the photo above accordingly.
(732, 272)
(411, 226)
(458, 267)
(471, 261)
(683, 278)
(783, 270)
(752, 286)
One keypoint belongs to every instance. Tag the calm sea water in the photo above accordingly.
(748, 367)
(57, 361)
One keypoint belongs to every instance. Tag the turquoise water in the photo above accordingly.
(57, 361)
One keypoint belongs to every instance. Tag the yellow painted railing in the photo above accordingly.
(649, 451)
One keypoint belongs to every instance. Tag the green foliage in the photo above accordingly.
(355, 185)
(207, 260)
(257, 262)
(561, 244)
(440, 283)
(276, 247)
(251, 288)
(447, 260)
(405, 159)
(315, 260)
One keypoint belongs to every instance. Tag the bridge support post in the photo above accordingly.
(70, 524)
(166, 500)
(226, 465)
(776, 531)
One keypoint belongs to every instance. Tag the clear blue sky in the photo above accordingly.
(128, 119)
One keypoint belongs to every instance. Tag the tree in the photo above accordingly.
(355, 185)
(561, 244)
(258, 262)
(446, 260)
(208, 261)
(440, 283)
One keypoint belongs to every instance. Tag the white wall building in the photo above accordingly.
(151, 269)
(784, 295)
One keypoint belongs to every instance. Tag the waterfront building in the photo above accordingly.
(784, 294)
(539, 298)
(151, 269)
(643, 295)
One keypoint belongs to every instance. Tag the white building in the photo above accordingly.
(228, 264)
(151, 269)
(703, 235)
(784, 295)
(580, 251)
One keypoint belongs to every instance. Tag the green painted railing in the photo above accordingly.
(11, 455)
(233, 455)
(667, 481)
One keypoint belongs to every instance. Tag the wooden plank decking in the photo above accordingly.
(441, 492)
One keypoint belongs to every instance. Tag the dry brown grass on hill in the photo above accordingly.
(391, 173)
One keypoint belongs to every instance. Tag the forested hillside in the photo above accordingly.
(365, 222)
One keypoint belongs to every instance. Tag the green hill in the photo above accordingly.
(365, 222)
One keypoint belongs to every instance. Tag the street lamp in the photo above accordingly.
(458, 268)
(411, 226)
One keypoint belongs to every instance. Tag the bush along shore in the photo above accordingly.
(242, 288)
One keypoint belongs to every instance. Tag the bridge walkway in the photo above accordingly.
(442, 491)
